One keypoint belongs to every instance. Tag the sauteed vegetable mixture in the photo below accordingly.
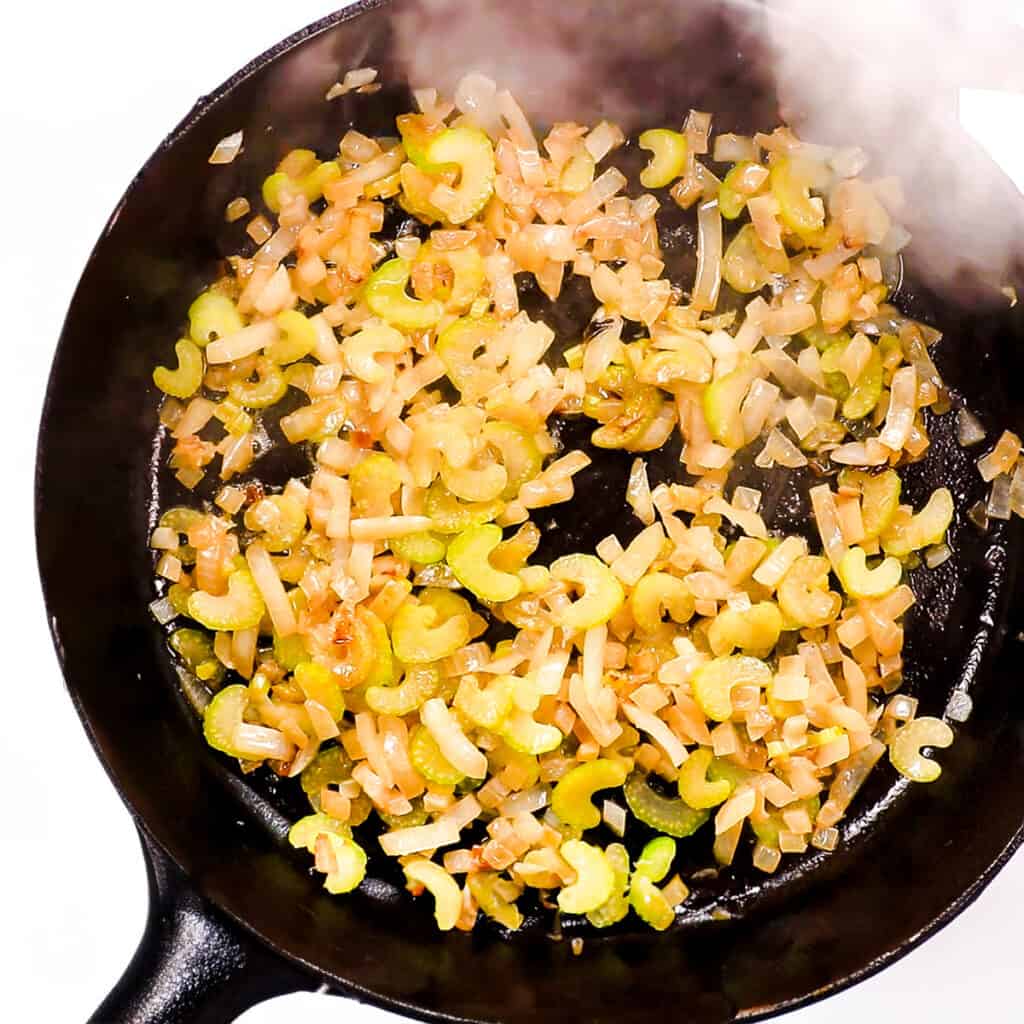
(380, 630)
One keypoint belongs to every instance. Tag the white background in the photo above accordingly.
(86, 93)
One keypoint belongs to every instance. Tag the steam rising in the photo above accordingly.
(881, 74)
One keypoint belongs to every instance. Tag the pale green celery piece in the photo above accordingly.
(187, 378)
(905, 748)
(511, 555)
(924, 529)
(387, 298)
(314, 183)
(411, 819)
(383, 670)
(289, 651)
(362, 348)
(803, 594)
(861, 582)
(572, 797)
(298, 341)
(178, 594)
(754, 630)
(602, 594)
(616, 907)
(318, 683)
(427, 759)
(668, 157)
(222, 716)
(712, 683)
(730, 201)
(475, 484)
(722, 401)
(350, 859)
(663, 814)
(471, 151)
(235, 419)
(419, 639)
(467, 270)
(486, 708)
(880, 497)
(267, 390)
(820, 338)
(722, 769)
(595, 878)
(578, 173)
(195, 648)
(482, 887)
(446, 603)
(694, 786)
(657, 591)
(373, 480)
(440, 885)
(689, 360)
(650, 904)
(767, 828)
(867, 392)
(655, 860)
(302, 835)
(213, 316)
(640, 407)
(522, 732)
(835, 379)
(181, 518)
(273, 187)
(330, 767)
(797, 211)
(457, 346)
(419, 548)
(240, 608)
(421, 682)
(417, 133)
(742, 268)
(280, 517)
(468, 557)
(453, 516)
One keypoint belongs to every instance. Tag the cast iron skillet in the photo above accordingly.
(236, 915)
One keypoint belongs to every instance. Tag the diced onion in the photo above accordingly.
(227, 149)
(402, 842)
(709, 255)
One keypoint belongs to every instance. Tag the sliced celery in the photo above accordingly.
(470, 150)
(923, 529)
(457, 347)
(572, 797)
(320, 684)
(861, 582)
(298, 341)
(222, 716)
(268, 389)
(195, 648)
(755, 630)
(616, 907)
(421, 682)
(712, 683)
(722, 401)
(663, 814)
(640, 407)
(484, 887)
(602, 593)
(386, 296)
(595, 878)
(650, 904)
(668, 157)
(240, 608)
(440, 885)
(486, 708)
(453, 516)
(522, 732)
(730, 201)
(468, 557)
(803, 594)
(187, 378)
(302, 835)
(658, 591)
(797, 211)
(880, 497)
(213, 316)
(419, 548)
(695, 787)
(373, 481)
(655, 860)
(330, 767)
(427, 759)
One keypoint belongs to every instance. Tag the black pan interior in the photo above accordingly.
(746, 943)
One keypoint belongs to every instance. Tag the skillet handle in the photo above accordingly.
(193, 965)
